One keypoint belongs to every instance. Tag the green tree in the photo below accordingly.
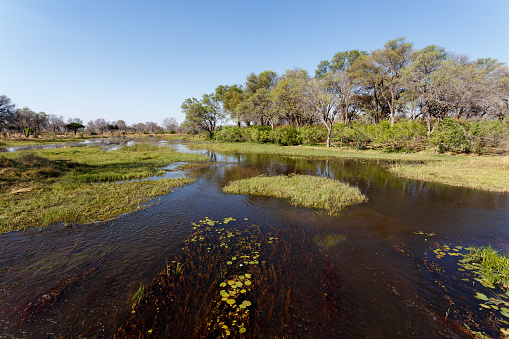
(74, 126)
(230, 97)
(390, 62)
(425, 82)
(205, 114)
(290, 97)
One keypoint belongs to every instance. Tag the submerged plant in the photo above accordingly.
(237, 281)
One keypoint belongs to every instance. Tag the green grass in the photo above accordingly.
(481, 172)
(41, 187)
(492, 265)
(317, 152)
(326, 194)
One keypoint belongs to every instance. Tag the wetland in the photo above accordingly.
(202, 262)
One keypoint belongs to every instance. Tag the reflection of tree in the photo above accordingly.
(371, 176)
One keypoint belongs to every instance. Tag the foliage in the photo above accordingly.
(287, 136)
(312, 135)
(463, 136)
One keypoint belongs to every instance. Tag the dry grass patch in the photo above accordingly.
(487, 173)
(326, 194)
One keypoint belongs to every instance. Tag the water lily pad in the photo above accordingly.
(229, 262)
(248, 275)
(247, 282)
(242, 291)
(246, 302)
(239, 284)
(242, 330)
(223, 284)
(230, 301)
(481, 296)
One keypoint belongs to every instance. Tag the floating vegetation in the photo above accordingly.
(239, 281)
(329, 195)
(425, 233)
(483, 272)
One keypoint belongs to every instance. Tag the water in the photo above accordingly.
(387, 289)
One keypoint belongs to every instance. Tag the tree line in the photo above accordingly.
(393, 83)
(26, 122)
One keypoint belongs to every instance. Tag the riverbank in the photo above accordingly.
(80, 184)
(481, 172)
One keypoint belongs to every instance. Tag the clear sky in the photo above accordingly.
(138, 60)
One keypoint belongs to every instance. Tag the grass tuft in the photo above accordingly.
(326, 194)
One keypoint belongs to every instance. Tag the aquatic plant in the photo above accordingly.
(489, 264)
(239, 280)
(482, 273)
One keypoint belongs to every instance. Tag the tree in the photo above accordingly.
(205, 114)
(121, 125)
(152, 127)
(230, 97)
(289, 97)
(101, 125)
(139, 127)
(55, 123)
(7, 110)
(28, 121)
(324, 100)
(425, 81)
(389, 63)
(74, 126)
(170, 124)
(369, 96)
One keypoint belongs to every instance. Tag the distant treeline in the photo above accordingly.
(396, 82)
(24, 121)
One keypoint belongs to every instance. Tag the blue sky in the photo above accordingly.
(139, 60)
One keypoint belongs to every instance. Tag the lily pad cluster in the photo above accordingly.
(483, 271)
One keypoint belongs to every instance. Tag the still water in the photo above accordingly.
(383, 260)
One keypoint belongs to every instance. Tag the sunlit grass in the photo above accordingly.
(316, 151)
(80, 203)
(41, 187)
(487, 173)
(326, 194)
(492, 265)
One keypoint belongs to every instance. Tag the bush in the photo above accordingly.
(468, 136)
(312, 135)
(259, 134)
(287, 136)
(230, 134)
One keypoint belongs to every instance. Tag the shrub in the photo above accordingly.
(230, 134)
(287, 136)
(312, 135)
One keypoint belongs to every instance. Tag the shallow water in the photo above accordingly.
(387, 289)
